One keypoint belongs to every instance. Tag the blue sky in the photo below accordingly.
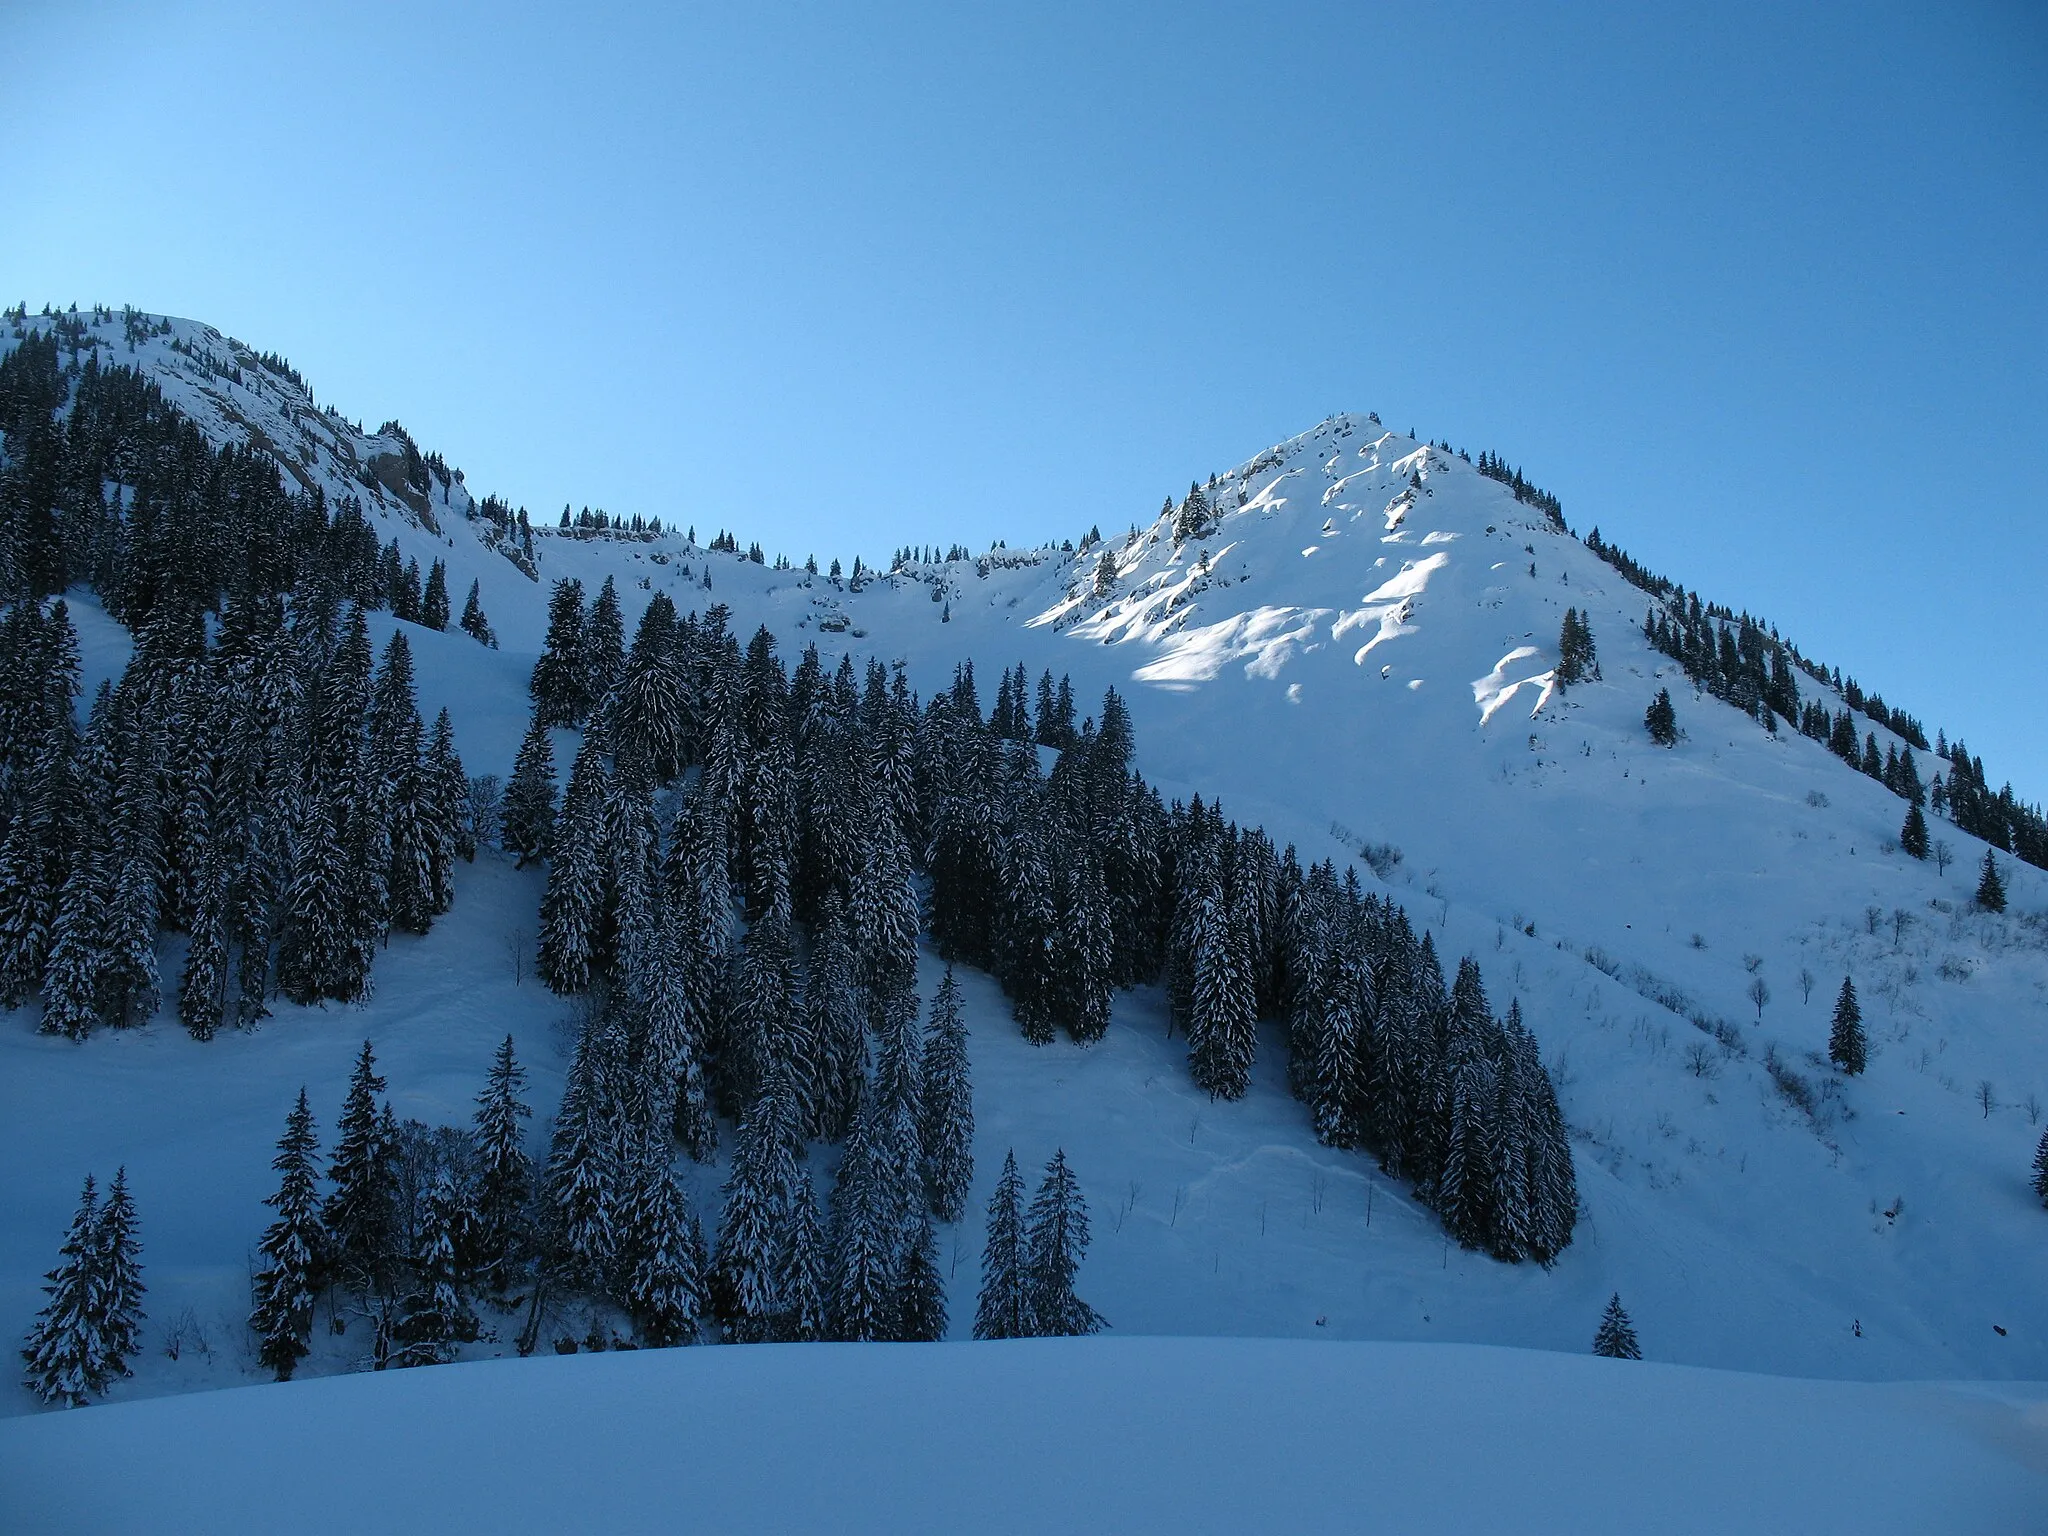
(1759, 290)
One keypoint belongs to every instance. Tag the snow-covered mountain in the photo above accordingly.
(1357, 649)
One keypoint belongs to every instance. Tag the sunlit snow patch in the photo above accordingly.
(1265, 639)
(1498, 686)
(1389, 606)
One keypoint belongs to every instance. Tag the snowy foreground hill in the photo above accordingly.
(1045, 1435)
(1358, 652)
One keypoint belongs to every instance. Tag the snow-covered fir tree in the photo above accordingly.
(120, 1276)
(1003, 1308)
(67, 1350)
(527, 827)
(946, 1109)
(287, 1285)
(921, 1315)
(661, 1284)
(1055, 1242)
(504, 1173)
(1616, 1337)
(434, 1316)
(358, 1215)
(1847, 1047)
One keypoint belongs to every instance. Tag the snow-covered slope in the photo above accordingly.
(1043, 1435)
(1349, 658)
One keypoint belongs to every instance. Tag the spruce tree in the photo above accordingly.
(604, 644)
(1913, 835)
(663, 1288)
(759, 1191)
(434, 1316)
(1661, 720)
(504, 1173)
(1990, 887)
(66, 1350)
(528, 824)
(560, 685)
(317, 953)
(805, 1281)
(1616, 1338)
(120, 1277)
(1846, 1046)
(1055, 1242)
(202, 991)
(2041, 1169)
(286, 1285)
(71, 981)
(867, 1233)
(434, 601)
(448, 811)
(1003, 1308)
(836, 1023)
(947, 1109)
(921, 1305)
(1223, 1005)
(584, 1180)
(358, 1213)
(473, 621)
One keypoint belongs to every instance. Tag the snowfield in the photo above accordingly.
(1044, 1435)
(1350, 659)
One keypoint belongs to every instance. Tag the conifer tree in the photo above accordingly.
(528, 825)
(746, 1269)
(120, 1277)
(1616, 1338)
(1575, 650)
(675, 1036)
(867, 1217)
(572, 916)
(202, 991)
(805, 1281)
(66, 1349)
(2041, 1169)
(71, 982)
(1003, 1308)
(1661, 720)
(921, 1310)
(947, 1110)
(1055, 1242)
(561, 677)
(583, 1179)
(1913, 835)
(604, 645)
(473, 621)
(1846, 1046)
(358, 1213)
(1990, 887)
(285, 1287)
(434, 1316)
(663, 1286)
(504, 1173)
(318, 956)
(1222, 1017)
(434, 601)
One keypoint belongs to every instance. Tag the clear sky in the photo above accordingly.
(1760, 290)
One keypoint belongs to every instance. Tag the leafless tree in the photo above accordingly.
(1759, 994)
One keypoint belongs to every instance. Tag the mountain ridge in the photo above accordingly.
(1360, 654)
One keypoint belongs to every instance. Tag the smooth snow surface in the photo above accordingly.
(1171, 1435)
